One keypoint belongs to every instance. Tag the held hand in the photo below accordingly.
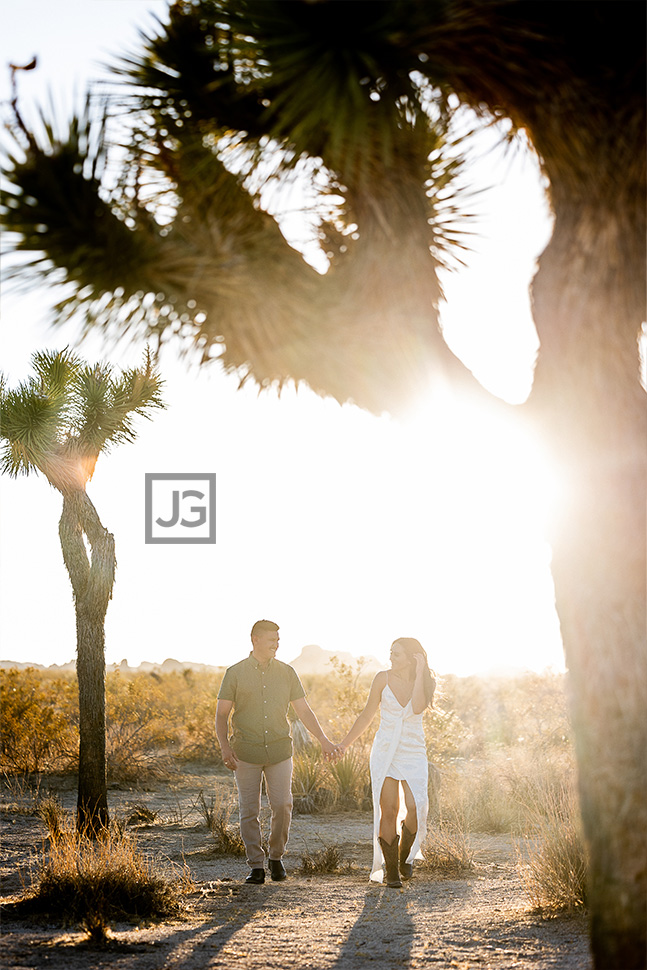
(420, 663)
(328, 749)
(338, 753)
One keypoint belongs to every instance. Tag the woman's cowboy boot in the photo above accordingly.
(390, 853)
(407, 840)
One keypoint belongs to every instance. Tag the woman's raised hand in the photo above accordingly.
(420, 662)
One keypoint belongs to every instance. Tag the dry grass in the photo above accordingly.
(498, 792)
(352, 781)
(327, 860)
(140, 815)
(49, 809)
(554, 871)
(20, 794)
(310, 790)
(446, 851)
(480, 796)
(217, 813)
(506, 766)
(319, 787)
(93, 882)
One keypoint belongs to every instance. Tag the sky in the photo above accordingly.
(346, 528)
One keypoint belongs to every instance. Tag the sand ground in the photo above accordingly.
(483, 920)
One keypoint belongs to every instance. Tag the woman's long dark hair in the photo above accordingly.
(411, 646)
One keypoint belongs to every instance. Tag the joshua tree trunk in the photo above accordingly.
(588, 306)
(92, 582)
(92, 803)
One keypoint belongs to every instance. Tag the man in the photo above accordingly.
(260, 690)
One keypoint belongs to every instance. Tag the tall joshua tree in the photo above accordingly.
(232, 98)
(57, 423)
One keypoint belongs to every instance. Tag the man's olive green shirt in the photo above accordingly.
(261, 696)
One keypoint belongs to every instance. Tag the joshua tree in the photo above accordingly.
(233, 98)
(58, 423)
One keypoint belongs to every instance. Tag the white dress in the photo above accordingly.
(399, 752)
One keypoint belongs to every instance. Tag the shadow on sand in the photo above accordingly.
(383, 931)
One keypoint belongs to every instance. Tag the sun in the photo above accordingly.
(478, 495)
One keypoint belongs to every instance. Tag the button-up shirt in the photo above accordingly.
(261, 695)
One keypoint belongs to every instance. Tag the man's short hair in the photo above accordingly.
(264, 626)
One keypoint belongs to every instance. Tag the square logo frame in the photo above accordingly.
(210, 507)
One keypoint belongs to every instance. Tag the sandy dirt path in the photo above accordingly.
(483, 920)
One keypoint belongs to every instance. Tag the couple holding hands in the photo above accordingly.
(257, 692)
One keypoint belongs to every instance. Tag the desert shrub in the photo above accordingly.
(535, 776)
(198, 741)
(93, 882)
(327, 860)
(513, 738)
(311, 788)
(20, 793)
(352, 781)
(155, 719)
(446, 851)
(477, 792)
(347, 688)
(445, 734)
(498, 792)
(192, 699)
(138, 732)
(53, 815)
(320, 787)
(496, 712)
(151, 720)
(555, 866)
(39, 717)
(140, 815)
(217, 813)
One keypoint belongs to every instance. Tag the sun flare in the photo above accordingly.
(477, 492)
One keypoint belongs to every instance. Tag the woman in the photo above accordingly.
(398, 755)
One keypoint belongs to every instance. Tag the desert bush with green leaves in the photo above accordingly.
(310, 790)
(500, 756)
(491, 741)
(319, 787)
(39, 721)
(153, 721)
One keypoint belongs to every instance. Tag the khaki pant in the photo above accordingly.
(278, 783)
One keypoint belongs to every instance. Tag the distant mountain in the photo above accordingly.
(312, 660)
(167, 666)
(315, 660)
(19, 665)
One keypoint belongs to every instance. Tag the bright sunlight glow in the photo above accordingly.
(348, 529)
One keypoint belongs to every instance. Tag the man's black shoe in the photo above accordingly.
(277, 870)
(256, 877)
